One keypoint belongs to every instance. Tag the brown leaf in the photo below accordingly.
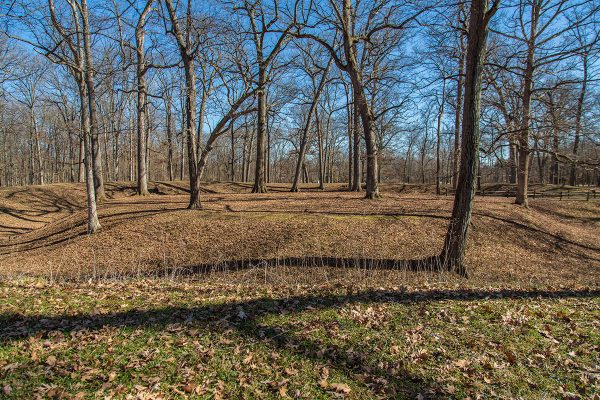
(510, 356)
(189, 388)
(462, 364)
(340, 388)
(51, 361)
(283, 391)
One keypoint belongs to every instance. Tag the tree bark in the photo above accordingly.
(190, 100)
(524, 151)
(357, 179)
(91, 93)
(232, 160)
(142, 102)
(438, 165)
(93, 222)
(170, 150)
(457, 115)
(364, 110)
(350, 148)
(37, 147)
(453, 253)
(578, 116)
(261, 132)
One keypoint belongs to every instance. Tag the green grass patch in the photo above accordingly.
(165, 340)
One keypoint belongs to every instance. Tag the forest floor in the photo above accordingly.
(227, 302)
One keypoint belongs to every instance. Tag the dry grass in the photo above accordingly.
(42, 233)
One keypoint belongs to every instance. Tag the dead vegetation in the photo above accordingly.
(42, 233)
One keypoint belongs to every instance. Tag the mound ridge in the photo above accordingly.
(42, 232)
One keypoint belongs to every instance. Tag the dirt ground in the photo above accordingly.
(42, 233)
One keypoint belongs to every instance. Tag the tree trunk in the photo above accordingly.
(438, 165)
(232, 171)
(524, 151)
(357, 179)
(360, 100)
(578, 116)
(190, 99)
(459, 93)
(554, 167)
(307, 125)
(91, 93)
(142, 173)
(512, 163)
(93, 222)
(169, 122)
(350, 148)
(142, 103)
(261, 133)
(453, 253)
(190, 118)
(320, 151)
(37, 147)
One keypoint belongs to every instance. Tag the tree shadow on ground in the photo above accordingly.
(305, 262)
(384, 380)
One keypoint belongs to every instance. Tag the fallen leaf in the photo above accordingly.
(340, 388)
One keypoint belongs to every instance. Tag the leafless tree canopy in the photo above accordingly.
(295, 91)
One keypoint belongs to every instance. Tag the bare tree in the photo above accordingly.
(188, 49)
(262, 23)
(317, 88)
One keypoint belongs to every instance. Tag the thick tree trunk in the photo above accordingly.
(366, 116)
(360, 100)
(453, 253)
(200, 125)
